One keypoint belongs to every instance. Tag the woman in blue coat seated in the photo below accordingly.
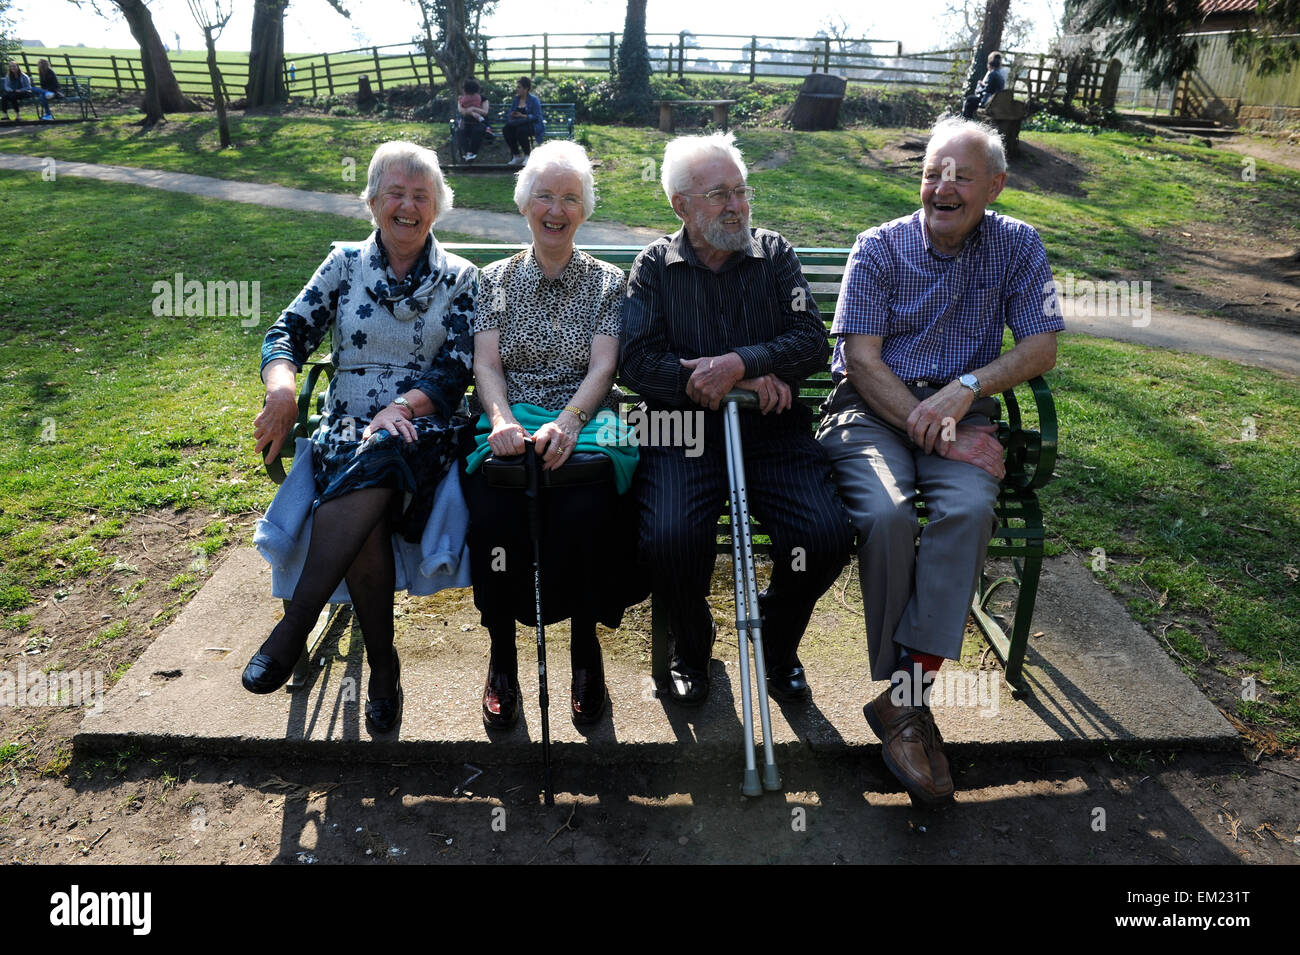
(524, 125)
(398, 310)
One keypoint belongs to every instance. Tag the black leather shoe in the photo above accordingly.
(687, 685)
(264, 675)
(382, 714)
(587, 694)
(788, 684)
(501, 700)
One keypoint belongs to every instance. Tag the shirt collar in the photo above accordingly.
(568, 280)
(971, 244)
(681, 250)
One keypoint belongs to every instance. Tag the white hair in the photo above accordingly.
(683, 153)
(557, 154)
(414, 160)
(952, 127)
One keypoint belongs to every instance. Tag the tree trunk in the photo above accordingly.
(634, 63)
(995, 15)
(456, 57)
(266, 54)
(222, 122)
(162, 93)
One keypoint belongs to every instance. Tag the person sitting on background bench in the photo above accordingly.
(524, 124)
(18, 87)
(473, 111)
(916, 364)
(49, 81)
(715, 306)
(994, 82)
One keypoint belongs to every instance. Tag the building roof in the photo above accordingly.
(1218, 7)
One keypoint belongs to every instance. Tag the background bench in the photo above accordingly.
(1030, 459)
(558, 117)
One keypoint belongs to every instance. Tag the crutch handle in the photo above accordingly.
(741, 398)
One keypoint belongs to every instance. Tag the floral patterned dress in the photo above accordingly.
(388, 337)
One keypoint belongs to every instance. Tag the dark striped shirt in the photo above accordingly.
(758, 306)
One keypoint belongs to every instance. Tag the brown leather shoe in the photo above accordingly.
(501, 700)
(910, 741)
(939, 771)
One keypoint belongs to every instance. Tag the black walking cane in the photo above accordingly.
(532, 490)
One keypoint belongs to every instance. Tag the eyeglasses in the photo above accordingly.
(570, 203)
(720, 197)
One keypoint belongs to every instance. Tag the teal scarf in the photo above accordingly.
(605, 432)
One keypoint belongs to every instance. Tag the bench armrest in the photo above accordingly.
(1031, 455)
(303, 427)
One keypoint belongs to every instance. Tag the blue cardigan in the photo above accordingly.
(533, 107)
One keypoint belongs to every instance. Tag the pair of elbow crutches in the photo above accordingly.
(749, 625)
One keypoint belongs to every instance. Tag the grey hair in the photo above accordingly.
(558, 154)
(684, 152)
(414, 160)
(951, 127)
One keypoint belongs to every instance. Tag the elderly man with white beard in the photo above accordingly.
(716, 306)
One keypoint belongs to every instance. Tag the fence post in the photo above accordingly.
(27, 67)
(611, 53)
(753, 56)
(379, 76)
(68, 63)
(483, 58)
(329, 77)
(130, 65)
(533, 69)
(826, 57)
(415, 74)
(546, 54)
(117, 79)
(313, 81)
(681, 54)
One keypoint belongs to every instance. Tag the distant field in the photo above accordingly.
(120, 69)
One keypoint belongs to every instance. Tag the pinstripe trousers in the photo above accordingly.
(790, 491)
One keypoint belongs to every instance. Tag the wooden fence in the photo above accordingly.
(545, 54)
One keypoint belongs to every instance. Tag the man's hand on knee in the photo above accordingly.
(926, 422)
(975, 444)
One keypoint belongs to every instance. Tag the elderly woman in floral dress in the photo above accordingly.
(399, 310)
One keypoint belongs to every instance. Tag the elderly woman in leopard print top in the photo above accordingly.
(545, 353)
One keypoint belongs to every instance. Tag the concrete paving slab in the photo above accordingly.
(1096, 678)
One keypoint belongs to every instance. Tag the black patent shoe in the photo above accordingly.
(788, 684)
(687, 685)
(383, 714)
(587, 696)
(264, 675)
(501, 700)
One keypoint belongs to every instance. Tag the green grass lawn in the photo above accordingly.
(1126, 203)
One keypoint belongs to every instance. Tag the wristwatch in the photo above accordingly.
(399, 400)
(971, 382)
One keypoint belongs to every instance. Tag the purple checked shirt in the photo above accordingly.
(941, 316)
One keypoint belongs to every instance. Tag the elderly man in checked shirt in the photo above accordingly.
(714, 306)
(917, 361)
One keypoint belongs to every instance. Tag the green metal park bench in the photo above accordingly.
(558, 117)
(1030, 459)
